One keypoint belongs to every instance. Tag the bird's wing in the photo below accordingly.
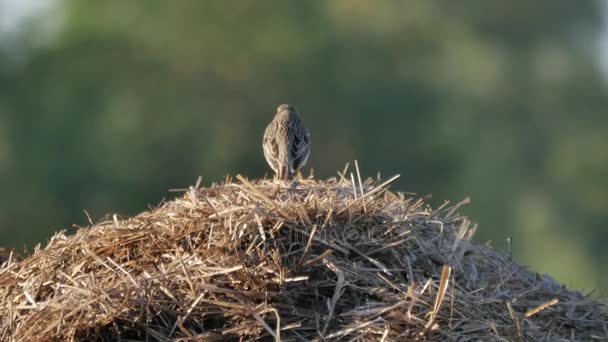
(301, 145)
(271, 149)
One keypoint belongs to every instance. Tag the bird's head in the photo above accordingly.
(286, 108)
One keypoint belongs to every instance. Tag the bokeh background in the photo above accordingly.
(105, 105)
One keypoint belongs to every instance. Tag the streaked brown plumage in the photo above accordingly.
(286, 142)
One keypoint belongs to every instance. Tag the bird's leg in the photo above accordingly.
(294, 178)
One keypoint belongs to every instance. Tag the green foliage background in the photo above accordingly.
(502, 101)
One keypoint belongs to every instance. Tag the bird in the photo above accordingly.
(286, 142)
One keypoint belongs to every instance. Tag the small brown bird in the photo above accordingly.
(286, 142)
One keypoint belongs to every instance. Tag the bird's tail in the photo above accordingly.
(283, 161)
(285, 172)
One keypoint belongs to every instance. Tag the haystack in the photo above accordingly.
(338, 259)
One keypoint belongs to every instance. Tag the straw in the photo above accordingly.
(294, 261)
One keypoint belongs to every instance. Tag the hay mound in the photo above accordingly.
(312, 260)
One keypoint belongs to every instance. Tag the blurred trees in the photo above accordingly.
(500, 101)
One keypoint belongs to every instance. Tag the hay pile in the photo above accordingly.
(313, 260)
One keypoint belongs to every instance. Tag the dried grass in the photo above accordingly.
(309, 260)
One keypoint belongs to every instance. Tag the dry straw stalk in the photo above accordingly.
(338, 259)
